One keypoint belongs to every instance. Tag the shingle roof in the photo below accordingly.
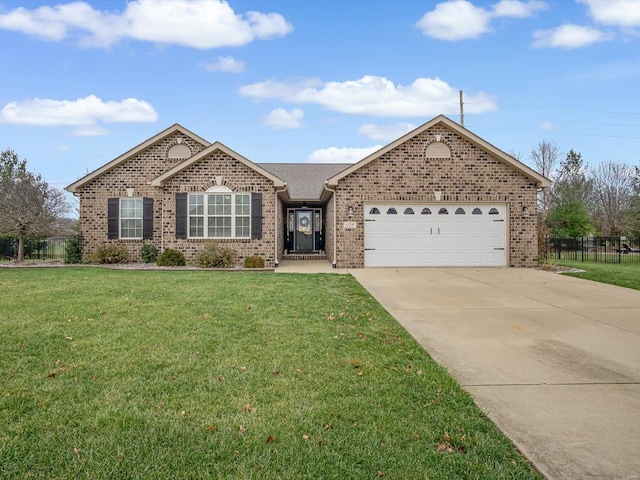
(304, 180)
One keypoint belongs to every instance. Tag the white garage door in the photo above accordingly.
(418, 235)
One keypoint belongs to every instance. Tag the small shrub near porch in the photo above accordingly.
(110, 254)
(215, 255)
(171, 258)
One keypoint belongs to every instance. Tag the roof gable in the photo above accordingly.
(460, 130)
(73, 188)
(159, 180)
(305, 181)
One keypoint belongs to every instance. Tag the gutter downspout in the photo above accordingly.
(335, 226)
(275, 207)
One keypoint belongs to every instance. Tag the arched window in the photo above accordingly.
(179, 151)
(408, 211)
(374, 211)
(476, 211)
(459, 211)
(426, 211)
(392, 211)
(494, 211)
(438, 150)
(443, 211)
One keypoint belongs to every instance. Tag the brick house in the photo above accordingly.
(439, 195)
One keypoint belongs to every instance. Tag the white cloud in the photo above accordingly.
(619, 13)
(224, 64)
(455, 20)
(517, 9)
(81, 112)
(200, 24)
(281, 119)
(569, 36)
(341, 155)
(90, 131)
(372, 95)
(386, 132)
(460, 19)
(548, 126)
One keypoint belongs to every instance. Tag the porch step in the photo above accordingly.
(304, 256)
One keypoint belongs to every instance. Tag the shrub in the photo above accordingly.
(171, 258)
(73, 250)
(254, 262)
(148, 253)
(110, 254)
(215, 256)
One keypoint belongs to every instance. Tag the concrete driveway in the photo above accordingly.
(553, 360)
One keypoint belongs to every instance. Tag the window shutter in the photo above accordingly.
(147, 218)
(256, 215)
(113, 218)
(181, 215)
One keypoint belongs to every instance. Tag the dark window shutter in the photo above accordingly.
(113, 218)
(147, 218)
(181, 215)
(256, 215)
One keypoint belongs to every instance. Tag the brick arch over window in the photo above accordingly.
(219, 182)
(437, 149)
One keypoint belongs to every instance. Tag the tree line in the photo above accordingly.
(29, 205)
(600, 200)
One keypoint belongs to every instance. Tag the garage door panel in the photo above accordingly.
(435, 240)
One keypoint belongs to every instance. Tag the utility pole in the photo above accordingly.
(461, 110)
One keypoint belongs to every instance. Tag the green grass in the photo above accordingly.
(194, 374)
(623, 275)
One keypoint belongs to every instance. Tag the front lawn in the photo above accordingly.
(195, 374)
(621, 274)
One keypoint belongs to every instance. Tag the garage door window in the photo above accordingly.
(460, 211)
(494, 211)
(392, 211)
(426, 211)
(408, 211)
(374, 211)
(476, 211)
(443, 211)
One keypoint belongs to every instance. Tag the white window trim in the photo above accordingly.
(121, 218)
(218, 190)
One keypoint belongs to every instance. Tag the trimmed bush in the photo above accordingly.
(215, 256)
(254, 262)
(109, 254)
(73, 250)
(149, 253)
(171, 258)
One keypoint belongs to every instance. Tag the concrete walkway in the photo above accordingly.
(308, 266)
(553, 360)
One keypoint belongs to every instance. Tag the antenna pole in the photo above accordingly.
(461, 110)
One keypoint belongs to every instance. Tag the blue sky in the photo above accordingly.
(325, 81)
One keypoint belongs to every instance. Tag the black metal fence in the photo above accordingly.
(51, 248)
(593, 249)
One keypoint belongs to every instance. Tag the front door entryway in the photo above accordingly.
(304, 231)
(304, 227)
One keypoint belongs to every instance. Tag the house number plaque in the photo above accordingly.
(350, 225)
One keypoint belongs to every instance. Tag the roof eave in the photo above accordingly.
(73, 188)
(160, 180)
(542, 181)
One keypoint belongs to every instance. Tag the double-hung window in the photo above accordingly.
(219, 215)
(130, 218)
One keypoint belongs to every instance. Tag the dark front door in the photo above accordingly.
(304, 231)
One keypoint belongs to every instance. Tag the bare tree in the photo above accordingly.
(545, 158)
(613, 188)
(29, 205)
